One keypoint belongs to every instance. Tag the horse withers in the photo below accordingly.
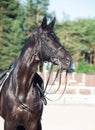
(21, 101)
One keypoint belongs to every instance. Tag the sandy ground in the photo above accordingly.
(1, 124)
(67, 117)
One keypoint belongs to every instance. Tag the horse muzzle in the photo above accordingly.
(63, 63)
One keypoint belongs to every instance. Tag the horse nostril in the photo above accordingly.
(20, 127)
(67, 60)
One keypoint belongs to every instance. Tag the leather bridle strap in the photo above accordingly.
(43, 43)
(62, 92)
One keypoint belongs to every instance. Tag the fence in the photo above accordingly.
(73, 79)
(80, 88)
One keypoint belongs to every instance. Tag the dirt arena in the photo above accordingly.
(67, 117)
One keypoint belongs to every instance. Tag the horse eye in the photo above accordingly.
(52, 33)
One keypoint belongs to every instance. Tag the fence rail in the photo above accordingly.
(74, 95)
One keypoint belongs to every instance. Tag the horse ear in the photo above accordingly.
(44, 22)
(52, 23)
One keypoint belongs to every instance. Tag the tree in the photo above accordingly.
(35, 10)
(11, 31)
(78, 37)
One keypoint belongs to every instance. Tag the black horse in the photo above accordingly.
(21, 102)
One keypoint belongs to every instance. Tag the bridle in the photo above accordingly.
(51, 53)
(54, 58)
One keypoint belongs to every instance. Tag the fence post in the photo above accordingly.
(83, 79)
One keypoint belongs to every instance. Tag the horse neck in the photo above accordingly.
(26, 67)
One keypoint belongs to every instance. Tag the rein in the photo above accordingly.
(57, 73)
(54, 58)
(57, 90)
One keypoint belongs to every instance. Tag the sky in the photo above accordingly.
(72, 9)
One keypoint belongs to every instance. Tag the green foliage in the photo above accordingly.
(11, 31)
(35, 10)
(84, 67)
(78, 36)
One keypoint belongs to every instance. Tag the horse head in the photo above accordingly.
(50, 47)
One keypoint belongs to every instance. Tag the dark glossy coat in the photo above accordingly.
(21, 103)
